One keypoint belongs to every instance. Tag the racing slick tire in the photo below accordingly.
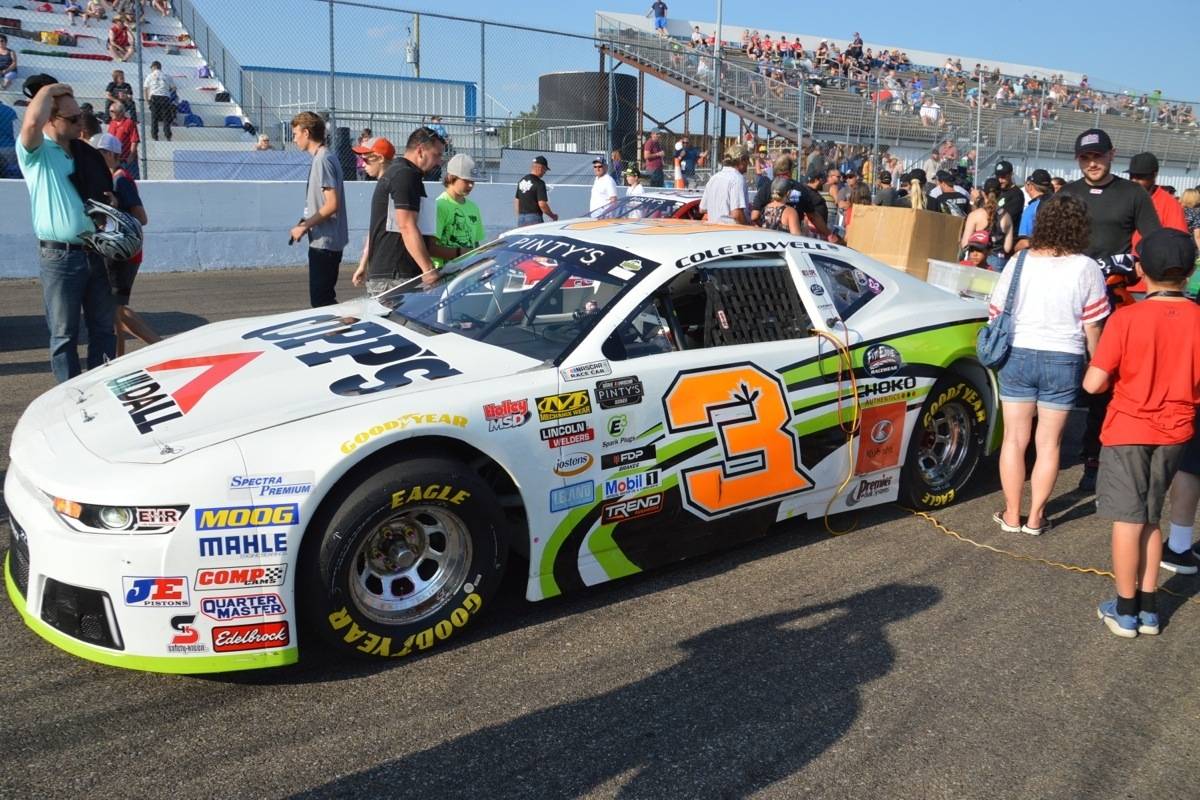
(947, 444)
(407, 559)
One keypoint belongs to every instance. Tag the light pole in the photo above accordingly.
(978, 120)
(714, 145)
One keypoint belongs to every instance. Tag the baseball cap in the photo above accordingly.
(737, 152)
(1167, 254)
(885, 177)
(542, 160)
(1004, 168)
(461, 166)
(1093, 140)
(633, 170)
(106, 141)
(943, 176)
(598, 162)
(762, 148)
(1039, 177)
(979, 240)
(379, 146)
(1143, 164)
(35, 83)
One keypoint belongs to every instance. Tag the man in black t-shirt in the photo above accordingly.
(1116, 207)
(396, 246)
(1012, 199)
(799, 197)
(119, 91)
(885, 195)
(531, 204)
(950, 201)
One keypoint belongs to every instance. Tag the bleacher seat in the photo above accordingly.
(233, 121)
(79, 56)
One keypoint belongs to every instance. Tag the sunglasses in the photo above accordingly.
(73, 119)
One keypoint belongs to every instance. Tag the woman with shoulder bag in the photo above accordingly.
(1056, 313)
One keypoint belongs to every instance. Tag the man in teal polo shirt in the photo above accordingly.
(73, 278)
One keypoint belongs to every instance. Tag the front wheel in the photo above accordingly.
(946, 445)
(408, 558)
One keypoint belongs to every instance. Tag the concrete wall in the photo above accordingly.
(196, 225)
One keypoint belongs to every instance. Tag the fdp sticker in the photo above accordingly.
(748, 407)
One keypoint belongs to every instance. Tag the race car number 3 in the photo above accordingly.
(748, 408)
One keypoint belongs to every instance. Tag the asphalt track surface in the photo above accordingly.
(892, 662)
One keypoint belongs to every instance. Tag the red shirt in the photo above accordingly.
(125, 130)
(1170, 213)
(1151, 351)
(119, 36)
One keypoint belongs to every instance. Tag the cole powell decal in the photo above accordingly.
(381, 358)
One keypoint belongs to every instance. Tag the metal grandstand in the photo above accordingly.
(846, 110)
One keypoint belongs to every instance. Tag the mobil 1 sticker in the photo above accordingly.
(626, 391)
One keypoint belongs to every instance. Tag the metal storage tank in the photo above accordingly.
(584, 96)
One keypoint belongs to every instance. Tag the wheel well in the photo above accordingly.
(482, 464)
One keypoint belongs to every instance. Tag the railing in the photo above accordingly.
(776, 103)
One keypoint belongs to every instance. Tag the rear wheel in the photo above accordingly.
(946, 445)
(407, 559)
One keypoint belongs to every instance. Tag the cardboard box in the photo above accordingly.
(904, 238)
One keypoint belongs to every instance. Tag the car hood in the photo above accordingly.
(231, 378)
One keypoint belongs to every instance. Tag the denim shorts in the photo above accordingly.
(1048, 377)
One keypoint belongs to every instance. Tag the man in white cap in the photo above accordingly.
(459, 221)
(604, 188)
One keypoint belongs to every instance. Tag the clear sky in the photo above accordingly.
(1119, 44)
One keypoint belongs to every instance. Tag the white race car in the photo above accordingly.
(596, 396)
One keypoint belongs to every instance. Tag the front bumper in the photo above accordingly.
(71, 589)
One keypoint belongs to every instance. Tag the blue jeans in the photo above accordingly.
(74, 280)
(322, 276)
(529, 219)
(1049, 378)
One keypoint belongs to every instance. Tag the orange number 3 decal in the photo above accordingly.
(748, 407)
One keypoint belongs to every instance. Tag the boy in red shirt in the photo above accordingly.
(1149, 354)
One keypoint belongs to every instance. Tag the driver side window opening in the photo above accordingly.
(741, 300)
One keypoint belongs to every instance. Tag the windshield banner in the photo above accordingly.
(576, 254)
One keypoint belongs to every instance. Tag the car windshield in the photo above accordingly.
(637, 206)
(535, 295)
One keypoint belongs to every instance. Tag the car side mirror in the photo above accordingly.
(613, 348)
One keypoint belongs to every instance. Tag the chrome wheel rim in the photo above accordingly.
(944, 445)
(410, 565)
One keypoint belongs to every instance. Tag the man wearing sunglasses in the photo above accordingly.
(73, 278)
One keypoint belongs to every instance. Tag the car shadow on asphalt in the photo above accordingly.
(511, 611)
(748, 704)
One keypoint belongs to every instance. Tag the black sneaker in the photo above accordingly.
(1184, 563)
(1090, 468)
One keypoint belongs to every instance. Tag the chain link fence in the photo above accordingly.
(495, 89)
(360, 65)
